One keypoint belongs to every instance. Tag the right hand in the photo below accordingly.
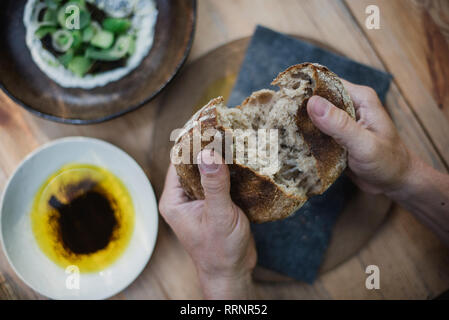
(214, 231)
(378, 160)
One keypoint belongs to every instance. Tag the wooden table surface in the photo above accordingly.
(411, 44)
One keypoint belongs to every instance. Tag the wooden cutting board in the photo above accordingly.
(214, 75)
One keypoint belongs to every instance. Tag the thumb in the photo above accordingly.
(216, 184)
(336, 123)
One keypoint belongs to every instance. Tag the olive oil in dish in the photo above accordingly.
(83, 215)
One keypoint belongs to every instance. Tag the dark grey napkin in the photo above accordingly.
(295, 246)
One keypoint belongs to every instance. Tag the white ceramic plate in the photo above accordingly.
(20, 247)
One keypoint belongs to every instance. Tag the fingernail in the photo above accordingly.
(319, 106)
(206, 162)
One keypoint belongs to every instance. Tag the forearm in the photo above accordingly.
(240, 287)
(425, 193)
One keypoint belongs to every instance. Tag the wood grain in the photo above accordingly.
(413, 262)
(415, 33)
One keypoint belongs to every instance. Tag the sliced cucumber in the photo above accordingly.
(123, 44)
(66, 57)
(116, 25)
(77, 39)
(43, 31)
(88, 33)
(103, 39)
(132, 46)
(102, 55)
(118, 51)
(50, 17)
(79, 65)
(81, 47)
(84, 18)
(62, 40)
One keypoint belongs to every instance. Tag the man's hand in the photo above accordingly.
(378, 160)
(215, 232)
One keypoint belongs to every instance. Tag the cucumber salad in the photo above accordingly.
(89, 43)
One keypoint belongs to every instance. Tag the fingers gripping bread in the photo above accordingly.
(309, 161)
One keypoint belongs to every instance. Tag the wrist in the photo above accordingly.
(229, 285)
(414, 177)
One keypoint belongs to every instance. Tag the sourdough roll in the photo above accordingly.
(308, 160)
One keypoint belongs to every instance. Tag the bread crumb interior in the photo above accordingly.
(267, 109)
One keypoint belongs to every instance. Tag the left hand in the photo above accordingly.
(214, 231)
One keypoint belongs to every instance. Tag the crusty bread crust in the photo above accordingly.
(331, 158)
(257, 195)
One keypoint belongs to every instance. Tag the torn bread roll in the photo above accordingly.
(308, 161)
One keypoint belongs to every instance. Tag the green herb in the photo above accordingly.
(79, 65)
(132, 46)
(88, 33)
(84, 19)
(118, 51)
(116, 25)
(103, 39)
(66, 57)
(50, 16)
(82, 46)
(43, 31)
(77, 39)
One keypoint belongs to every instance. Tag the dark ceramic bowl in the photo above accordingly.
(25, 83)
